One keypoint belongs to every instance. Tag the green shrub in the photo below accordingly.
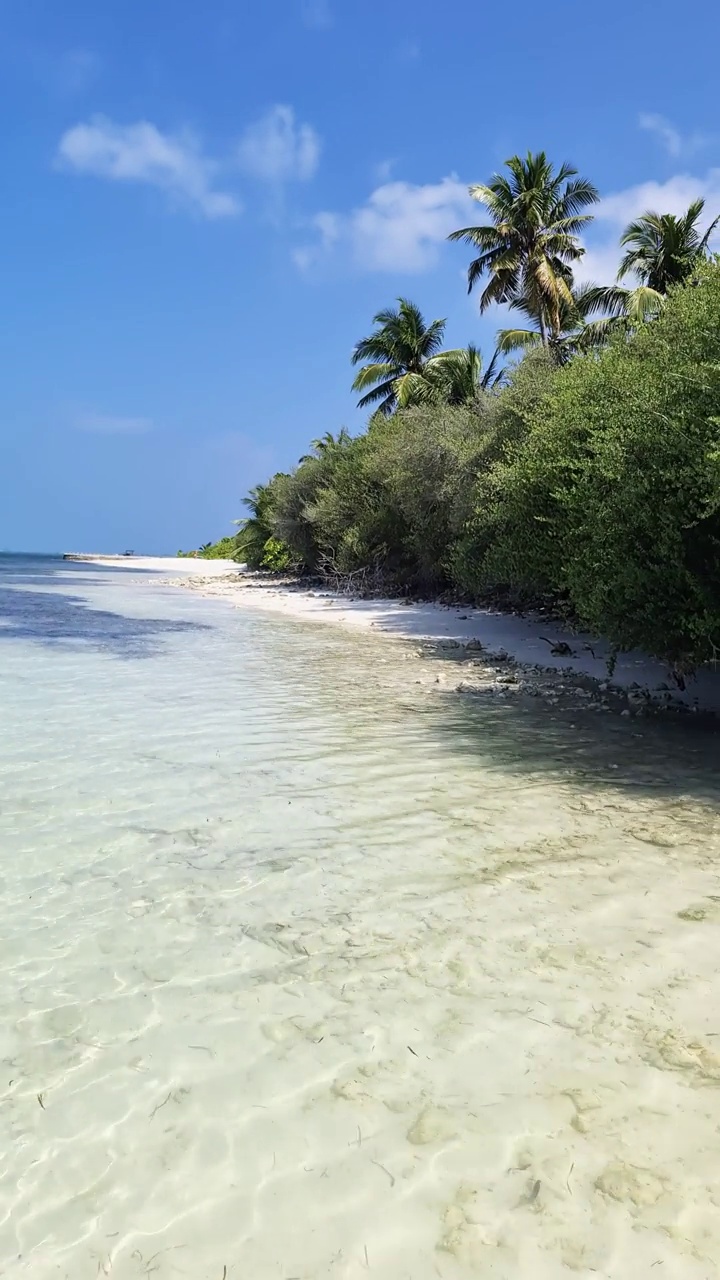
(277, 556)
(597, 483)
(222, 550)
(421, 464)
(507, 428)
(313, 507)
(613, 496)
(255, 530)
(391, 501)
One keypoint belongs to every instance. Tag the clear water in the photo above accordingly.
(311, 970)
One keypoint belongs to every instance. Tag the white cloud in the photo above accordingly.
(317, 15)
(400, 228)
(675, 143)
(277, 148)
(142, 153)
(672, 196)
(106, 424)
(599, 263)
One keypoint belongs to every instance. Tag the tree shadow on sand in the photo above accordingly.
(674, 757)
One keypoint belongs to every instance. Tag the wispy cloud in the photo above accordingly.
(142, 153)
(278, 148)
(317, 14)
(383, 171)
(675, 143)
(76, 70)
(400, 228)
(60, 73)
(107, 424)
(664, 130)
(409, 51)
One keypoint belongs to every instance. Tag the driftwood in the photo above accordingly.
(356, 582)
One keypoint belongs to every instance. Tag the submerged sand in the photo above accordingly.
(311, 975)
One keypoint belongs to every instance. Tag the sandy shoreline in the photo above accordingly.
(379, 984)
(525, 641)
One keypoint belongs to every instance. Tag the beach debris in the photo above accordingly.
(160, 1105)
(558, 648)
(387, 1171)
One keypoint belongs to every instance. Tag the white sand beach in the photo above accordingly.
(524, 639)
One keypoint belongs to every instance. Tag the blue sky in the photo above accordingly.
(204, 205)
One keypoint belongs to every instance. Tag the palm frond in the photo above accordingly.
(708, 234)
(493, 376)
(371, 373)
(517, 340)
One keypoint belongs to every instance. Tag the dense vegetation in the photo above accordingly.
(587, 472)
(225, 549)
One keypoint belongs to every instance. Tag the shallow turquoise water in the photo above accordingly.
(312, 970)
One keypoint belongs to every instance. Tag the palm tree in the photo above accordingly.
(401, 344)
(528, 246)
(577, 332)
(255, 529)
(620, 308)
(662, 249)
(327, 444)
(451, 377)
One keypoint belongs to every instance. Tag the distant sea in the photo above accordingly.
(309, 971)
